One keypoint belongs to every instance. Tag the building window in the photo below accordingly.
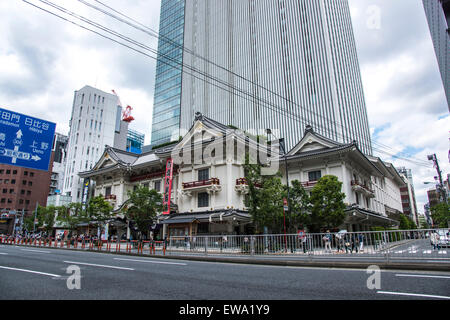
(14, 171)
(8, 171)
(30, 183)
(203, 174)
(203, 200)
(158, 185)
(31, 174)
(5, 190)
(314, 175)
(145, 185)
(107, 191)
(13, 181)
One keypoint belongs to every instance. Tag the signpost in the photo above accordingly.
(25, 141)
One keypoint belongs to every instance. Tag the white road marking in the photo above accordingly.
(152, 261)
(37, 251)
(97, 265)
(31, 271)
(413, 295)
(3, 253)
(422, 276)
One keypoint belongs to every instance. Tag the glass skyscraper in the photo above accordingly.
(278, 64)
(438, 16)
(167, 96)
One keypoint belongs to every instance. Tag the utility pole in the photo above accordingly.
(441, 184)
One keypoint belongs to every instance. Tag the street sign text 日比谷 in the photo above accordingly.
(25, 141)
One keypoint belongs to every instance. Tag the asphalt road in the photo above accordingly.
(40, 273)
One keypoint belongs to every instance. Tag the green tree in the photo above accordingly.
(406, 223)
(299, 206)
(327, 204)
(144, 205)
(99, 211)
(440, 214)
(46, 218)
(70, 216)
(264, 199)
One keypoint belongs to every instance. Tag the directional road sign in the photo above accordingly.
(25, 141)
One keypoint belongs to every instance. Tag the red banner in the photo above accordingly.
(168, 186)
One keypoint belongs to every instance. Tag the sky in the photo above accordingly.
(44, 59)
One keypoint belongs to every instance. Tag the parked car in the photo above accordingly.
(444, 237)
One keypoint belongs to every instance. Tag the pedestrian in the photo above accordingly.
(434, 238)
(347, 243)
(361, 242)
(355, 243)
(327, 239)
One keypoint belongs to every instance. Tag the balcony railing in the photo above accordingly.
(243, 182)
(202, 183)
(356, 183)
(309, 184)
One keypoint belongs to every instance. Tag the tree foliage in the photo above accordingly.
(145, 204)
(440, 214)
(327, 204)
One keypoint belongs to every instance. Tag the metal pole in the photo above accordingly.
(34, 221)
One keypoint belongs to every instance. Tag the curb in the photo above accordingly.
(383, 265)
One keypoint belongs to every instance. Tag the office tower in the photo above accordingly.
(408, 195)
(135, 141)
(59, 163)
(287, 64)
(167, 95)
(96, 121)
(438, 16)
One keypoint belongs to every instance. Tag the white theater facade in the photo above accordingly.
(209, 187)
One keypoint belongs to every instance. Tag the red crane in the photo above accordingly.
(126, 115)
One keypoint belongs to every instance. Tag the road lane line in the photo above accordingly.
(414, 295)
(421, 276)
(37, 251)
(152, 261)
(3, 253)
(31, 271)
(97, 265)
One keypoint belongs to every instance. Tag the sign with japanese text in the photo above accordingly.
(25, 141)
(168, 186)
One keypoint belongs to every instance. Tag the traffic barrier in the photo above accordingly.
(40, 242)
(83, 244)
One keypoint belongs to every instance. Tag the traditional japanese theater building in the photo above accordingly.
(208, 185)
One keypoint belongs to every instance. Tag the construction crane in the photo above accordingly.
(126, 115)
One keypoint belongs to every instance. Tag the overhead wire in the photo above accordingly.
(180, 65)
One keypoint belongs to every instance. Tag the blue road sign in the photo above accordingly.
(25, 141)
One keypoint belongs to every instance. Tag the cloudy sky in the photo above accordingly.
(43, 60)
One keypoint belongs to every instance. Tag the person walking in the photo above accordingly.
(327, 239)
(361, 242)
(434, 238)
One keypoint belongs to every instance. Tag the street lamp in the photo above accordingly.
(269, 132)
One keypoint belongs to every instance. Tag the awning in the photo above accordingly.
(174, 220)
(361, 216)
(217, 216)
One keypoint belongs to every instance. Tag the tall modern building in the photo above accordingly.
(135, 141)
(438, 16)
(96, 122)
(275, 64)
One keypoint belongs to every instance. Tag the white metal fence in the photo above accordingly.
(393, 244)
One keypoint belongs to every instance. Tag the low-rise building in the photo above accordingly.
(209, 186)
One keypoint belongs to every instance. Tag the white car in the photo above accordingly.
(444, 237)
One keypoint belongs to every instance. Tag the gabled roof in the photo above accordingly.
(314, 145)
(314, 141)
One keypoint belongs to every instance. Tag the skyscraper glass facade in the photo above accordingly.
(135, 141)
(167, 97)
